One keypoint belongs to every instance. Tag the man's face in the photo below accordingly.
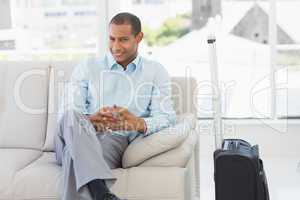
(123, 44)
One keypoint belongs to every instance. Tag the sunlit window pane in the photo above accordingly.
(176, 35)
(50, 30)
(288, 59)
(178, 38)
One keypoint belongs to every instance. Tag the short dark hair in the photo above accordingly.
(128, 18)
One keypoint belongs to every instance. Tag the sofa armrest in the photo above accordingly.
(144, 148)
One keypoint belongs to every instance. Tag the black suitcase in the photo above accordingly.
(239, 172)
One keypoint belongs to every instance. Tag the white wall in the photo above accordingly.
(275, 138)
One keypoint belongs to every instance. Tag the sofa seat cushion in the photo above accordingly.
(43, 180)
(177, 157)
(144, 148)
(151, 183)
(12, 161)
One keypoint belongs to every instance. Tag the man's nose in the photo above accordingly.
(116, 46)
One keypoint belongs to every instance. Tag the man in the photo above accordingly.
(112, 101)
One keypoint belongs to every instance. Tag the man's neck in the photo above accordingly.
(125, 63)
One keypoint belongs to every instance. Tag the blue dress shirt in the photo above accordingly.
(144, 88)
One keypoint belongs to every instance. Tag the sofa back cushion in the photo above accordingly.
(183, 91)
(23, 104)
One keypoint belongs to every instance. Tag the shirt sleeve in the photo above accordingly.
(162, 114)
(75, 91)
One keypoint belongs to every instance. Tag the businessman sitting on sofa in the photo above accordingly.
(113, 100)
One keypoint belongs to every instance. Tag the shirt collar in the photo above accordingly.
(112, 62)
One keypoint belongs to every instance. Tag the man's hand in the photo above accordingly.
(102, 119)
(117, 119)
(127, 121)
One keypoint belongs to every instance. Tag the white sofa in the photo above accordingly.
(166, 166)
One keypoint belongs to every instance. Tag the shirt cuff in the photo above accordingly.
(146, 129)
(150, 126)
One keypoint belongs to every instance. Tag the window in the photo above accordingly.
(176, 34)
(78, 2)
(288, 59)
(50, 30)
(257, 42)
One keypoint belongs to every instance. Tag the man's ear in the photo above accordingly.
(139, 36)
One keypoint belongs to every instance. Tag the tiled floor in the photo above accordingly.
(283, 175)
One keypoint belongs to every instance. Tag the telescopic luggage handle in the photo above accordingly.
(216, 92)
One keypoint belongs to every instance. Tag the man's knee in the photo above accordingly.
(76, 120)
(71, 113)
(70, 118)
